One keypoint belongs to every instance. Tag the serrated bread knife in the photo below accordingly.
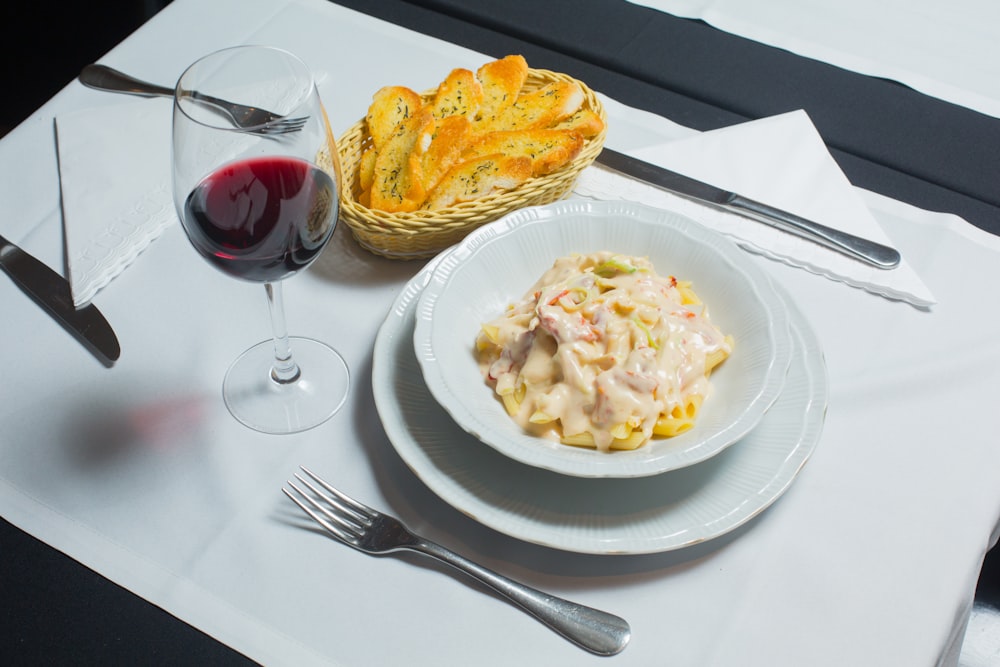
(52, 292)
(870, 252)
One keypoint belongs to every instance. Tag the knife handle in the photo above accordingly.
(876, 254)
(102, 77)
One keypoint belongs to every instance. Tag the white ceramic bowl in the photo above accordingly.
(497, 263)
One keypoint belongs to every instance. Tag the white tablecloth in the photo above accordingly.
(139, 472)
(948, 50)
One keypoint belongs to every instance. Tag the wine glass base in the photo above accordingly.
(268, 406)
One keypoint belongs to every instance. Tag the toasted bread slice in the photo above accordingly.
(366, 168)
(396, 183)
(501, 81)
(458, 95)
(390, 106)
(548, 150)
(477, 178)
(540, 108)
(585, 121)
(440, 147)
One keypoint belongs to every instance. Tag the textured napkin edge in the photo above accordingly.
(884, 291)
(94, 266)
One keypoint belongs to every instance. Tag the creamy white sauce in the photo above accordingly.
(598, 342)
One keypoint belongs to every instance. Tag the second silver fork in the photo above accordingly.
(251, 119)
(373, 532)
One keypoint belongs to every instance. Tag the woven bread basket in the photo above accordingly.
(423, 234)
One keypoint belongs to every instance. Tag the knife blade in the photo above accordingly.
(870, 252)
(52, 292)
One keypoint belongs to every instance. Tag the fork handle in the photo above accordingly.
(595, 630)
(102, 77)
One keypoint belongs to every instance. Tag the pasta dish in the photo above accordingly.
(604, 353)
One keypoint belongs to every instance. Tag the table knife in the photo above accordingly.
(52, 292)
(870, 252)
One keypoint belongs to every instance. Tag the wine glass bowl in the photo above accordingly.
(261, 218)
(260, 206)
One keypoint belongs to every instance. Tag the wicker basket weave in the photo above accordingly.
(423, 234)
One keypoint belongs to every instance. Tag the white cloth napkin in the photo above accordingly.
(114, 170)
(781, 161)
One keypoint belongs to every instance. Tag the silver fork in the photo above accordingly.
(373, 532)
(252, 119)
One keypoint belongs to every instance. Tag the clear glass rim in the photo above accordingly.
(179, 92)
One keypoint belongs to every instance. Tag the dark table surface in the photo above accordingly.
(886, 138)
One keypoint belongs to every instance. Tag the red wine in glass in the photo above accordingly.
(263, 218)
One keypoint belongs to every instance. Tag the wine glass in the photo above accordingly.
(260, 206)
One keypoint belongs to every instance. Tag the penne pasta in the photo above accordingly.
(539, 417)
(633, 441)
(680, 419)
(584, 439)
(512, 405)
(687, 293)
(716, 357)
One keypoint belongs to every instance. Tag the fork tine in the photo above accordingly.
(346, 512)
(284, 126)
(276, 132)
(362, 510)
(294, 123)
(316, 517)
(340, 528)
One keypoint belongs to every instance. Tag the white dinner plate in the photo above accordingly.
(496, 264)
(597, 516)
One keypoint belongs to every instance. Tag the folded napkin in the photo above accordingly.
(114, 171)
(781, 161)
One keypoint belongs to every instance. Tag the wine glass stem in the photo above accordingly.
(284, 370)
